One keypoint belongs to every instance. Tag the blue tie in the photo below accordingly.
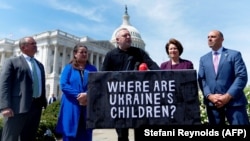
(35, 79)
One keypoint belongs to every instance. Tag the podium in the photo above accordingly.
(131, 99)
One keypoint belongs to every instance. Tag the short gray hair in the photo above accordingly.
(118, 31)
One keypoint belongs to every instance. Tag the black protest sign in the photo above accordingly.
(134, 98)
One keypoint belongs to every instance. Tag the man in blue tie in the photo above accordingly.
(22, 93)
(223, 90)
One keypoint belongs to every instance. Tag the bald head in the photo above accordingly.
(215, 39)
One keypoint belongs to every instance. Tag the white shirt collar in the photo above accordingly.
(219, 51)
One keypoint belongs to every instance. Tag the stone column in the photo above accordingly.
(2, 58)
(91, 57)
(97, 61)
(55, 60)
(64, 57)
(46, 59)
(71, 54)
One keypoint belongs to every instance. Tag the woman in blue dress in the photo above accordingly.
(73, 83)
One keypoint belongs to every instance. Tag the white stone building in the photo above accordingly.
(55, 50)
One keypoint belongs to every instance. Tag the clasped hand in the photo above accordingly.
(82, 99)
(219, 100)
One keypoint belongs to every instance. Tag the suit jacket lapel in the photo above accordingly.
(26, 65)
(211, 63)
(223, 57)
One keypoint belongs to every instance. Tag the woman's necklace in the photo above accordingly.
(81, 66)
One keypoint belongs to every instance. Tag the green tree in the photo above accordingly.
(48, 120)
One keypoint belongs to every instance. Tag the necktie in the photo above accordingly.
(216, 61)
(35, 79)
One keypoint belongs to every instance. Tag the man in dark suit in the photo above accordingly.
(52, 99)
(21, 102)
(222, 78)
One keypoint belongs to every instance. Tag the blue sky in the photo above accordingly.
(189, 21)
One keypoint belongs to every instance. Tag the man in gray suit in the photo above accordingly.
(222, 78)
(20, 106)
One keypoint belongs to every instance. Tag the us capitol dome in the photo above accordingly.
(135, 34)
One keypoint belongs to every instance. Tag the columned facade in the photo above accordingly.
(55, 50)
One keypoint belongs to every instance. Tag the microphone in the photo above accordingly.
(143, 67)
(136, 65)
(129, 62)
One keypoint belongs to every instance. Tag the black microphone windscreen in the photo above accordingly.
(129, 62)
(130, 58)
(136, 65)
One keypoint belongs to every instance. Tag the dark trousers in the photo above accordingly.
(122, 134)
(235, 115)
(138, 134)
(22, 126)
